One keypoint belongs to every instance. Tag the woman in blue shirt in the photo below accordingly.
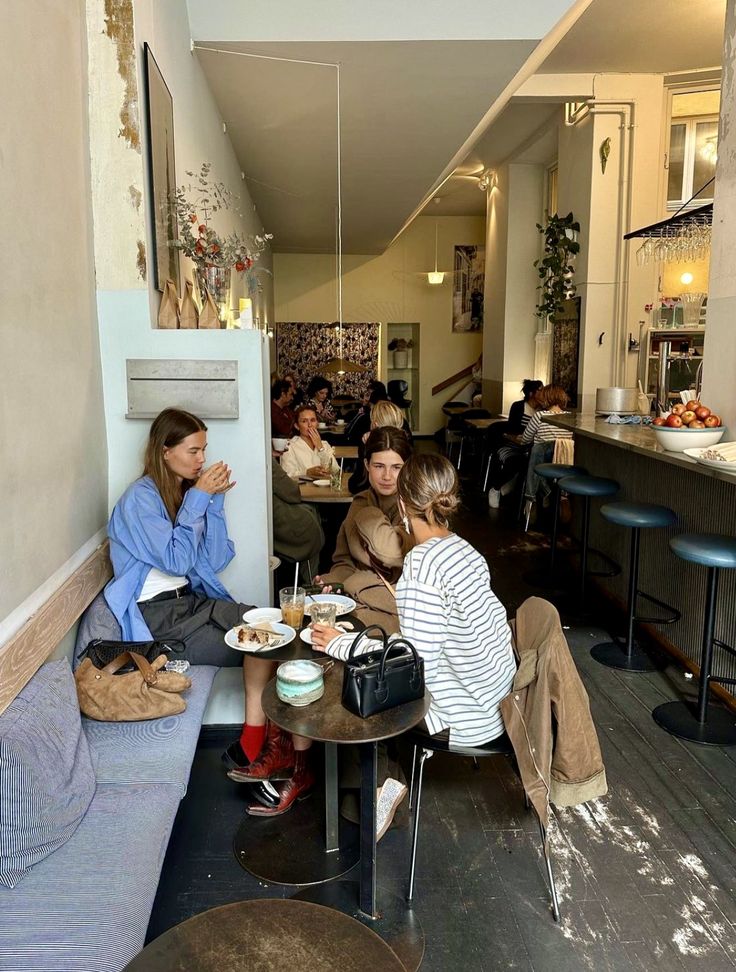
(168, 542)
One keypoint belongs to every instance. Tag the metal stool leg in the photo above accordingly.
(715, 726)
(628, 657)
(550, 874)
(584, 550)
(426, 754)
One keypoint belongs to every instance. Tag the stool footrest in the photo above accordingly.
(674, 614)
(614, 569)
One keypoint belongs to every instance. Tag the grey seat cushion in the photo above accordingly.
(47, 775)
(98, 621)
(87, 906)
(157, 750)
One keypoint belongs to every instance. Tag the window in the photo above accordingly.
(552, 190)
(691, 160)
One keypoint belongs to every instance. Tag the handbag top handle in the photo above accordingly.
(150, 675)
(397, 643)
(364, 633)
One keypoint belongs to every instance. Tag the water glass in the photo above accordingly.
(335, 478)
(323, 612)
(291, 602)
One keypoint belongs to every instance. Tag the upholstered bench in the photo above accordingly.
(86, 905)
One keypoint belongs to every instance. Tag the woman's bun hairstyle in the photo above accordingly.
(428, 488)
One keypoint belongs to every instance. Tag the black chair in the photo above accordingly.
(429, 745)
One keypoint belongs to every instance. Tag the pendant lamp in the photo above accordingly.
(435, 277)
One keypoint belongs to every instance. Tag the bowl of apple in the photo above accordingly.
(688, 426)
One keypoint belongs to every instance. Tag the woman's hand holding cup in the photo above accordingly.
(215, 479)
(322, 635)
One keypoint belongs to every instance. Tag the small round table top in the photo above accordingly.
(327, 720)
(267, 935)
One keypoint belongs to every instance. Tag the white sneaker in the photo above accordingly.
(508, 487)
(390, 796)
(494, 498)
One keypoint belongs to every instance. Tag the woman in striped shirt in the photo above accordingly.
(447, 610)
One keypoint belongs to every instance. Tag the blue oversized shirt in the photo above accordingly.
(142, 536)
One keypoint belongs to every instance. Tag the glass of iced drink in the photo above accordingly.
(323, 612)
(291, 602)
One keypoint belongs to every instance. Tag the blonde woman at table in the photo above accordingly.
(307, 454)
(372, 542)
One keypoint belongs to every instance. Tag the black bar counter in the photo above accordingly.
(704, 499)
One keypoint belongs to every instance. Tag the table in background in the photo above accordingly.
(346, 451)
(328, 721)
(267, 935)
(326, 494)
(485, 423)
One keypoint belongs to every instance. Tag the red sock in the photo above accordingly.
(251, 740)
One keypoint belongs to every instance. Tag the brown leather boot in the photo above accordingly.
(276, 761)
(297, 788)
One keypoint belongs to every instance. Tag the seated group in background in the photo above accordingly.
(372, 541)
(282, 414)
(319, 393)
(307, 455)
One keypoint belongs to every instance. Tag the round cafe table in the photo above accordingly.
(316, 845)
(326, 720)
(268, 935)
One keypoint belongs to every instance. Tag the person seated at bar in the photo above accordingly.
(297, 531)
(448, 611)
(541, 436)
(319, 393)
(282, 414)
(371, 543)
(501, 450)
(308, 455)
(383, 414)
(168, 542)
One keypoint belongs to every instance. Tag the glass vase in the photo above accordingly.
(691, 305)
(216, 281)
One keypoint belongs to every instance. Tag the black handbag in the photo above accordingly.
(380, 680)
(101, 652)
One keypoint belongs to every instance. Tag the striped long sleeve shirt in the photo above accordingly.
(537, 430)
(448, 611)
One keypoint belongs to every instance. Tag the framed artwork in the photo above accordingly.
(566, 349)
(467, 288)
(162, 173)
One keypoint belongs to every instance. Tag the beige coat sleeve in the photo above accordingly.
(385, 542)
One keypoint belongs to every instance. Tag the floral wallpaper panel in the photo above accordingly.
(304, 348)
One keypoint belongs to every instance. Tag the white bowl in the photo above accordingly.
(258, 615)
(677, 440)
(320, 482)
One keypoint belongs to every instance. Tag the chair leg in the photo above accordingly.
(426, 754)
(411, 782)
(476, 764)
(550, 875)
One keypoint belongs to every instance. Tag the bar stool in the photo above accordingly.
(588, 487)
(717, 727)
(553, 472)
(636, 517)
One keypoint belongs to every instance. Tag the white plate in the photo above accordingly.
(344, 604)
(287, 632)
(255, 615)
(727, 467)
(320, 482)
(306, 633)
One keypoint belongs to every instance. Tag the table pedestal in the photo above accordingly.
(395, 923)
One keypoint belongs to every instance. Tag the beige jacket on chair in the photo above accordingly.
(547, 716)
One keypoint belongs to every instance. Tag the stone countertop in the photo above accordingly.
(634, 438)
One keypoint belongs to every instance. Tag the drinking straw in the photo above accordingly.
(296, 579)
(342, 460)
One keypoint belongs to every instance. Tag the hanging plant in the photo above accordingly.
(558, 263)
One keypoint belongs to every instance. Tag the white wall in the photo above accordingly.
(53, 485)
(389, 288)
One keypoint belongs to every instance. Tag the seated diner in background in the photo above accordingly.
(372, 542)
(550, 400)
(360, 423)
(308, 455)
(319, 393)
(282, 414)
(383, 414)
(298, 396)
(168, 542)
(447, 610)
(297, 531)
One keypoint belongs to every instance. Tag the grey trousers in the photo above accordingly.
(200, 622)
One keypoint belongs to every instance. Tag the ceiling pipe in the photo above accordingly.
(540, 54)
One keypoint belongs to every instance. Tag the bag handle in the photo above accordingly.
(150, 675)
(381, 690)
(364, 632)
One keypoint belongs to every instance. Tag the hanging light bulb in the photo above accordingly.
(435, 276)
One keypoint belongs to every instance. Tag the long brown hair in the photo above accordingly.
(428, 488)
(169, 428)
(387, 439)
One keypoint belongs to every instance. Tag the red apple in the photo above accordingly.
(702, 413)
(693, 404)
(712, 422)
(678, 409)
(687, 416)
(697, 424)
(673, 421)
(659, 421)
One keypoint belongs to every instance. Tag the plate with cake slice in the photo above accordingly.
(259, 637)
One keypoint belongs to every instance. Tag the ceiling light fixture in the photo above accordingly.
(484, 182)
(435, 277)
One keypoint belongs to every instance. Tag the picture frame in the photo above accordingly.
(162, 173)
(468, 285)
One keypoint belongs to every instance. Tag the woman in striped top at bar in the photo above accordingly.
(447, 610)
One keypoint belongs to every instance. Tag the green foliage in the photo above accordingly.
(556, 267)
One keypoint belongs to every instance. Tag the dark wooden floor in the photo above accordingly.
(646, 875)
